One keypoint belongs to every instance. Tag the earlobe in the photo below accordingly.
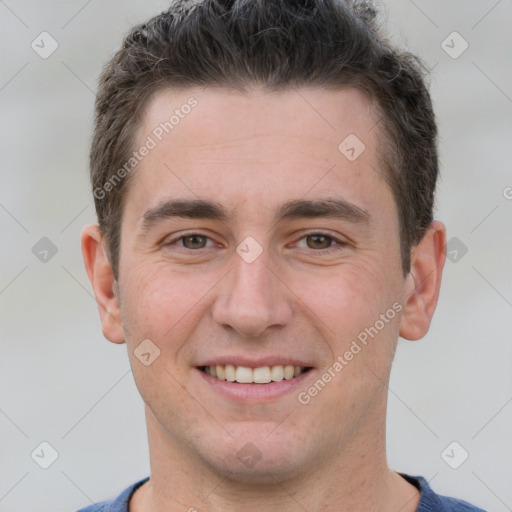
(103, 283)
(423, 282)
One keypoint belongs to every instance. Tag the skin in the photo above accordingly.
(252, 152)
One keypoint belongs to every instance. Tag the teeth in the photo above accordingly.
(229, 372)
(243, 375)
(288, 372)
(277, 373)
(221, 374)
(260, 375)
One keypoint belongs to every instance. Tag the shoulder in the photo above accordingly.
(432, 502)
(119, 504)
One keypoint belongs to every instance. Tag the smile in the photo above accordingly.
(260, 375)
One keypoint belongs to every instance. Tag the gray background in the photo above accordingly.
(62, 383)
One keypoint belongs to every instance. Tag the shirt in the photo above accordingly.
(429, 500)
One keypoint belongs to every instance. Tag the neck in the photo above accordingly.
(353, 478)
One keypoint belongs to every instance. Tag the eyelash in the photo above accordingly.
(340, 243)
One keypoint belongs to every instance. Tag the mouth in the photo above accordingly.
(259, 375)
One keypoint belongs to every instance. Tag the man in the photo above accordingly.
(264, 175)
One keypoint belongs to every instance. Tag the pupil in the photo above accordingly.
(317, 237)
(195, 241)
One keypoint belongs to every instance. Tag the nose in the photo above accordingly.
(252, 298)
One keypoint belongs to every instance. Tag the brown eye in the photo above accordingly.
(319, 241)
(194, 241)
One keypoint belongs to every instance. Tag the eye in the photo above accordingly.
(321, 241)
(192, 241)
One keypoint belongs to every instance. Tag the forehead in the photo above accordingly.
(292, 112)
(256, 144)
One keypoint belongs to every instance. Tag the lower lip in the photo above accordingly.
(255, 392)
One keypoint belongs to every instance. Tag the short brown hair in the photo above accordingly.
(275, 45)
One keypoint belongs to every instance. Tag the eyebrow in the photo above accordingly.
(202, 209)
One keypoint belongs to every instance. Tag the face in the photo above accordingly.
(256, 245)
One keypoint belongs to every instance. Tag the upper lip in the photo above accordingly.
(252, 362)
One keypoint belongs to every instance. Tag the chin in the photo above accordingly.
(257, 456)
(264, 471)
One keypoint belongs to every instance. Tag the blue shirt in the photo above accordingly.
(429, 500)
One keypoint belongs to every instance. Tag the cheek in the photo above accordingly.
(353, 311)
(346, 298)
(163, 304)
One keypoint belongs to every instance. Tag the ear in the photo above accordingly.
(103, 283)
(423, 282)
